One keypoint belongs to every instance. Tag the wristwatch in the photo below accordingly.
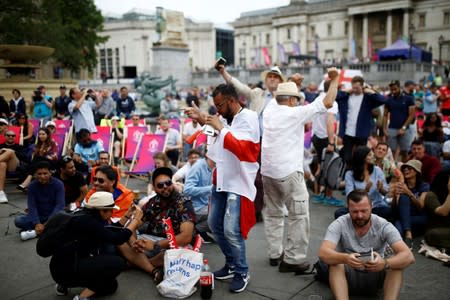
(404, 127)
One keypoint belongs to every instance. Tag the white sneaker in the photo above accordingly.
(27, 235)
(3, 198)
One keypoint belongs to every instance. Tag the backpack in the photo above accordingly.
(333, 169)
(55, 234)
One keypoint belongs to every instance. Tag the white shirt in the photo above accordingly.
(354, 105)
(283, 137)
(183, 172)
(320, 121)
(189, 129)
(446, 147)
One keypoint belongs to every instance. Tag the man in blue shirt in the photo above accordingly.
(198, 186)
(86, 152)
(400, 111)
(125, 104)
(45, 198)
(81, 111)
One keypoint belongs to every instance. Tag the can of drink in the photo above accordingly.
(197, 243)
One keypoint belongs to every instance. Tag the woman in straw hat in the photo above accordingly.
(82, 262)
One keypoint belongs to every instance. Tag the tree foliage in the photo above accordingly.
(69, 26)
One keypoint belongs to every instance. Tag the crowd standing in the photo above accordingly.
(392, 148)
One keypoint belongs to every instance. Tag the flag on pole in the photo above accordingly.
(266, 56)
(295, 48)
(282, 53)
(257, 57)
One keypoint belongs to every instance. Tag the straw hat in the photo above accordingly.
(273, 70)
(287, 89)
(101, 200)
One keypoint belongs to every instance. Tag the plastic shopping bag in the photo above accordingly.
(182, 269)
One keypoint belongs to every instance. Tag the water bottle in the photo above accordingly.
(206, 281)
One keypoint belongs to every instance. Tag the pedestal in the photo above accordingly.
(168, 60)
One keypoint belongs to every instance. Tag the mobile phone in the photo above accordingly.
(209, 130)
(220, 61)
(366, 256)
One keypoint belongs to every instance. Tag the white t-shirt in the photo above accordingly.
(319, 123)
(354, 105)
(446, 147)
(189, 129)
(283, 137)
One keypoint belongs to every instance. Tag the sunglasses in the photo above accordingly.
(166, 183)
(67, 159)
(10, 135)
(99, 180)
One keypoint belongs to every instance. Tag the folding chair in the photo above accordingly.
(148, 145)
(129, 123)
(60, 142)
(133, 134)
(17, 131)
(36, 125)
(63, 123)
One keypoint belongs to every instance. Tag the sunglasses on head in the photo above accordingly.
(67, 159)
(161, 185)
(99, 180)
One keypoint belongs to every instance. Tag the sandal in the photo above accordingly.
(21, 188)
(157, 275)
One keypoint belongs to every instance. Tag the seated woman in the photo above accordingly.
(83, 263)
(437, 205)
(408, 201)
(46, 149)
(28, 128)
(433, 134)
(366, 176)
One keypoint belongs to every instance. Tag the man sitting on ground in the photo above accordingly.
(183, 172)
(198, 186)
(11, 154)
(75, 187)
(146, 252)
(45, 198)
(359, 232)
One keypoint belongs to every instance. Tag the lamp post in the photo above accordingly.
(440, 41)
(411, 35)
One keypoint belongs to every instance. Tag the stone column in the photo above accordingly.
(389, 29)
(350, 38)
(303, 40)
(405, 23)
(365, 36)
(274, 46)
(295, 34)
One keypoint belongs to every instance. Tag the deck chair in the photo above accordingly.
(133, 134)
(103, 136)
(16, 130)
(36, 125)
(148, 145)
(129, 123)
(63, 123)
(107, 122)
(175, 124)
(60, 142)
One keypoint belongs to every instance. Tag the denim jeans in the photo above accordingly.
(224, 221)
(409, 217)
(23, 222)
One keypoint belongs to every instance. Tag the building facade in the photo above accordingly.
(128, 51)
(336, 30)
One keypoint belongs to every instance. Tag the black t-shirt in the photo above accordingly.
(72, 186)
(18, 149)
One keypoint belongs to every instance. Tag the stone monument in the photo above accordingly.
(171, 52)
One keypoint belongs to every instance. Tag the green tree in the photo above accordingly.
(69, 26)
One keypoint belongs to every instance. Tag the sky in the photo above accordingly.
(218, 12)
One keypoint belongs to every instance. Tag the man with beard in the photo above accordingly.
(75, 187)
(348, 240)
(147, 251)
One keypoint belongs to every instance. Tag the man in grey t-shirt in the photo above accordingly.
(360, 232)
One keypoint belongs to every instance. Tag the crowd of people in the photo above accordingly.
(256, 165)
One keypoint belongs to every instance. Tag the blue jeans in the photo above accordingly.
(409, 217)
(23, 222)
(224, 221)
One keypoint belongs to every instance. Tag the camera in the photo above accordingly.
(37, 96)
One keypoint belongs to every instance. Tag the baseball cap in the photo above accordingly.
(50, 123)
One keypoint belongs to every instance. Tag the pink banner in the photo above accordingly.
(151, 144)
(102, 138)
(63, 123)
(266, 55)
(134, 133)
(103, 130)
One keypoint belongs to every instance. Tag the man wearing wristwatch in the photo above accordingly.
(399, 113)
(358, 232)
(147, 251)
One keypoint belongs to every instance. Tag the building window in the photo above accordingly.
(346, 27)
(313, 31)
(117, 63)
(422, 20)
(288, 33)
(268, 38)
(254, 40)
(329, 30)
(382, 26)
(446, 18)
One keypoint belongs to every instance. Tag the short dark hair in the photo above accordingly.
(103, 152)
(110, 173)
(357, 195)
(382, 144)
(43, 164)
(194, 151)
(63, 161)
(123, 88)
(358, 79)
(16, 90)
(226, 90)
(71, 92)
(83, 132)
(417, 142)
